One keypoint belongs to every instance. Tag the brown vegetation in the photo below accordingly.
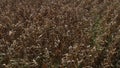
(59, 33)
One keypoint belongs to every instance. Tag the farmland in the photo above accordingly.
(59, 33)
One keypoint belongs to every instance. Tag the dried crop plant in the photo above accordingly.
(59, 34)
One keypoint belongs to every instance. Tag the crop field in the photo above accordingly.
(59, 33)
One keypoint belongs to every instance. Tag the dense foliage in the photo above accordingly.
(59, 33)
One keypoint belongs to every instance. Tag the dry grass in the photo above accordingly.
(59, 33)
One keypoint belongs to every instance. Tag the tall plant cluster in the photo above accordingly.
(59, 34)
